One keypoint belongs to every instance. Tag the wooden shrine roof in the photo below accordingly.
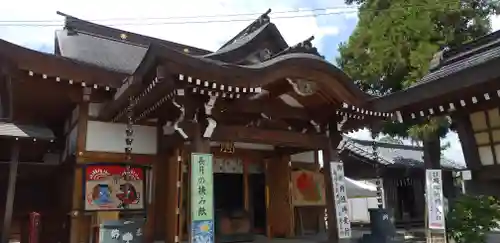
(57, 67)
(77, 25)
(13, 130)
(463, 76)
(256, 66)
(122, 51)
(217, 77)
(392, 155)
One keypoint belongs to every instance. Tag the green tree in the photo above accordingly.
(395, 40)
(472, 217)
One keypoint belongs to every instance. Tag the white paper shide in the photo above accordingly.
(341, 202)
(435, 199)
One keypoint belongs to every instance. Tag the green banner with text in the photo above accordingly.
(202, 199)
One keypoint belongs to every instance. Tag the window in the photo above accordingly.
(486, 128)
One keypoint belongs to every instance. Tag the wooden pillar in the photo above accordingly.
(11, 192)
(78, 221)
(172, 210)
(181, 216)
(75, 214)
(246, 196)
(279, 210)
(331, 155)
(200, 144)
(267, 196)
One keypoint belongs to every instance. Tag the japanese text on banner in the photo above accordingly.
(341, 202)
(435, 199)
(201, 187)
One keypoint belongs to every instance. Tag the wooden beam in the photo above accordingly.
(256, 135)
(163, 88)
(91, 156)
(487, 173)
(11, 192)
(271, 108)
(130, 87)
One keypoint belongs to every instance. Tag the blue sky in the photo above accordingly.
(330, 28)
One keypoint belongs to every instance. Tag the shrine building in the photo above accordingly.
(463, 86)
(116, 125)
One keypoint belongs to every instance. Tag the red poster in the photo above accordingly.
(111, 187)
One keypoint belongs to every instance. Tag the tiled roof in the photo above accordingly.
(466, 56)
(25, 131)
(394, 154)
(110, 54)
(125, 56)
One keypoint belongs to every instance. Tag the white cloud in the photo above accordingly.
(203, 35)
(454, 152)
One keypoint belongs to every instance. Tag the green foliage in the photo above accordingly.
(472, 217)
(395, 40)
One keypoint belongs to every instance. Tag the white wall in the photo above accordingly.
(110, 137)
(305, 157)
(358, 209)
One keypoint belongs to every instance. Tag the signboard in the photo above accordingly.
(341, 202)
(308, 188)
(107, 188)
(435, 200)
(121, 231)
(202, 207)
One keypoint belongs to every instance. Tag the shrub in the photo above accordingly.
(471, 217)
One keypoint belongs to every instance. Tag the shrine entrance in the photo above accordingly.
(239, 198)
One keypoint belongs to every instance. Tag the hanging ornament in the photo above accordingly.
(129, 132)
(378, 181)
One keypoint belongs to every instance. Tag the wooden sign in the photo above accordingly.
(107, 188)
(308, 188)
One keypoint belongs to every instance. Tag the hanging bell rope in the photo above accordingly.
(378, 181)
(129, 133)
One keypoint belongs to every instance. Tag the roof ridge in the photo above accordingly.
(74, 23)
(385, 145)
(477, 42)
(124, 41)
(256, 24)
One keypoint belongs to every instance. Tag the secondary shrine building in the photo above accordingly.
(226, 137)
(463, 85)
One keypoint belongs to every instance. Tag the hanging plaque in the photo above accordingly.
(106, 187)
(435, 200)
(341, 202)
(202, 207)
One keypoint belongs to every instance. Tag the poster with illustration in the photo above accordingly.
(308, 188)
(113, 187)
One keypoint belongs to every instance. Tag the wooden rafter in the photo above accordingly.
(256, 135)
(271, 108)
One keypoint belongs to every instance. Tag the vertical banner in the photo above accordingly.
(202, 207)
(435, 200)
(341, 202)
